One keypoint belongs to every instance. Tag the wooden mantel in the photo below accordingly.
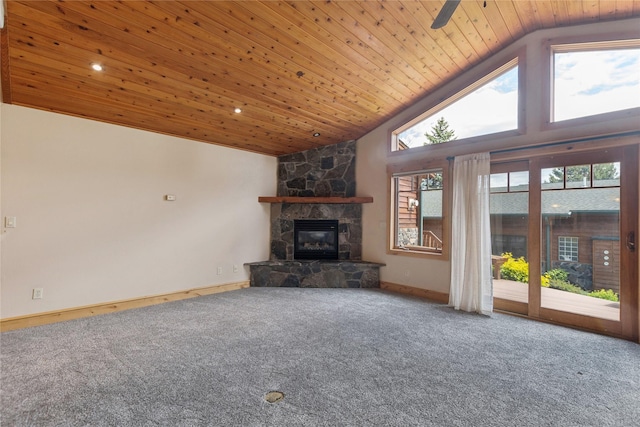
(327, 200)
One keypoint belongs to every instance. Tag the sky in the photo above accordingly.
(491, 108)
(588, 83)
(585, 83)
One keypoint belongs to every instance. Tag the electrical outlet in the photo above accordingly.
(10, 222)
(235, 268)
(37, 293)
(219, 270)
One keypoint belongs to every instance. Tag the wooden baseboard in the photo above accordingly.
(441, 297)
(45, 318)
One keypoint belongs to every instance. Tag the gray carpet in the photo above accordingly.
(342, 357)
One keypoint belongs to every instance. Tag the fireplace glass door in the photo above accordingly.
(315, 239)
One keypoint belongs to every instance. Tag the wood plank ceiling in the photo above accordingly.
(295, 68)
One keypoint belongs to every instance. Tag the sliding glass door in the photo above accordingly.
(563, 239)
(585, 242)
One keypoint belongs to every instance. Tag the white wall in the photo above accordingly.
(373, 158)
(92, 224)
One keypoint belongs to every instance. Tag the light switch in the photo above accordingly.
(170, 197)
(10, 222)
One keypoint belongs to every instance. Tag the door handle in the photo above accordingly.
(631, 241)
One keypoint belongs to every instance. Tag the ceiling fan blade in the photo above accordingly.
(445, 14)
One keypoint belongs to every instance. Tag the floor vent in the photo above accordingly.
(274, 396)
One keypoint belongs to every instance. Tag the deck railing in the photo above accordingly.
(430, 240)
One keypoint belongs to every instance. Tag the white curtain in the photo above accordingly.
(471, 281)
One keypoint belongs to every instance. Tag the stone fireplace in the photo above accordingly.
(322, 172)
(316, 185)
(284, 215)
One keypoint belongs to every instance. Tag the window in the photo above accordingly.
(509, 182)
(568, 248)
(595, 78)
(595, 175)
(418, 211)
(465, 114)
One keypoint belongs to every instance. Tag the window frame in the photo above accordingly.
(414, 168)
(467, 85)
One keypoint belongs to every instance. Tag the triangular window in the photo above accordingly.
(488, 106)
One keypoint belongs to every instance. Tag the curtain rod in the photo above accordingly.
(554, 144)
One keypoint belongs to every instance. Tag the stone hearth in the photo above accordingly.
(315, 274)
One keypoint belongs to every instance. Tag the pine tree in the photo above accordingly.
(440, 133)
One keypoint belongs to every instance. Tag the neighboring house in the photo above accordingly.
(420, 221)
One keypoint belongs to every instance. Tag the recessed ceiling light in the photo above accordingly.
(96, 67)
(316, 134)
(237, 110)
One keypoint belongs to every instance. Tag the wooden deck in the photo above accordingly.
(559, 300)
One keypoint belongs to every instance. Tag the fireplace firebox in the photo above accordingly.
(315, 239)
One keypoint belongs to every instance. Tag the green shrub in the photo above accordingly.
(544, 281)
(562, 285)
(557, 274)
(607, 294)
(518, 269)
(566, 286)
(515, 269)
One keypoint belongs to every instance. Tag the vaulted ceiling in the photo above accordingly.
(294, 68)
